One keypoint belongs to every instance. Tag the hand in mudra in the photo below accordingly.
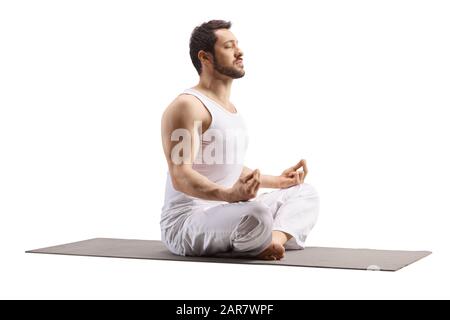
(291, 176)
(245, 188)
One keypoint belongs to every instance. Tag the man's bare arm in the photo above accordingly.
(288, 177)
(267, 181)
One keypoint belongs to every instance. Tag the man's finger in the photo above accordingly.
(297, 177)
(305, 169)
(249, 176)
(299, 165)
(258, 175)
(252, 186)
(252, 182)
(256, 188)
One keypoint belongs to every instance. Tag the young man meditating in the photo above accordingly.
(211, 205)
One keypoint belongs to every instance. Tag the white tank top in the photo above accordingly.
(220, 159)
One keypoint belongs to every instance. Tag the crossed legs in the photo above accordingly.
(262, 228)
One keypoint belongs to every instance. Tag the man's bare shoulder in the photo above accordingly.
(186, 105)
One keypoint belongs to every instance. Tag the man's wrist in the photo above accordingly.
(224, 194)
(271, 182)
(278, 182)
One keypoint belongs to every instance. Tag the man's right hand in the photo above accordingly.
(245, 188)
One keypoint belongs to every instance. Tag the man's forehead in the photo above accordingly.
(225, 35)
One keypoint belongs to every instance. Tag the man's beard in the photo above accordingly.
(228, 71)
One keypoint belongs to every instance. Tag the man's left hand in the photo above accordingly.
(291, 177)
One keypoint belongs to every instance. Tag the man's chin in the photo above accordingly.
(233, 73)
(239, 74)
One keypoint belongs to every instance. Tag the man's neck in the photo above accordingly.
(218, 89)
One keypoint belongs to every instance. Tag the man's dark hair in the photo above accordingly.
(203, 38)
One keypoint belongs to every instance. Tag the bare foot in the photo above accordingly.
(274, 251)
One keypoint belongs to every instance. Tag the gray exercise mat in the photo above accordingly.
(321, 257)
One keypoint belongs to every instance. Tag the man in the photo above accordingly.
(210, 207)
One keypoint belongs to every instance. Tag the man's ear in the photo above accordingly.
(204, 56)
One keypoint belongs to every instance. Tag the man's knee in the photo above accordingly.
(257, 220)
(311, 190)
(306, 190)
(254, 231)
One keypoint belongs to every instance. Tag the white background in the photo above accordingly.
(358, 88)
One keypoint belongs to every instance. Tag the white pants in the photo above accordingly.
(245, 228)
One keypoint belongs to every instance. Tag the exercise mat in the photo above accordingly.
(320, 257)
